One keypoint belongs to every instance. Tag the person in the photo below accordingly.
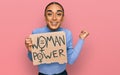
(54, 14)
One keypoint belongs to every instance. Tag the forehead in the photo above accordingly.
(54, 7)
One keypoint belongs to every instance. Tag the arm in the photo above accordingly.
(30, 55)
(73, 53)
(28, 44)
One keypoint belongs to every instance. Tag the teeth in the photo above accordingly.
(54, 23)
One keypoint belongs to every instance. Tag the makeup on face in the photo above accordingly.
(54, 16)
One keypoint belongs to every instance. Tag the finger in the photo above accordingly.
(82, 31)
(85, 32)
(30, 44)
(27, 43)
(28, 40)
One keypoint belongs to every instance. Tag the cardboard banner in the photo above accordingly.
(49, 48)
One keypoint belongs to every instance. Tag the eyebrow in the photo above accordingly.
(57, 11)
(49, 10)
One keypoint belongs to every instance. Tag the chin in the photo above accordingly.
(53, 28)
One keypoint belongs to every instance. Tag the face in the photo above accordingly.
(54, 16)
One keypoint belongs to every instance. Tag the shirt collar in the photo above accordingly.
(49, 30)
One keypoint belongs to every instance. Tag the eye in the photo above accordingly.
(49, 14)
(59, 14)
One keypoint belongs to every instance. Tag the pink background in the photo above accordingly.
(101, 51)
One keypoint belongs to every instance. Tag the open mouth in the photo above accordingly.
(54, 23)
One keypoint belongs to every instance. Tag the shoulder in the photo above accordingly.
(68, 35)
(67, 32)
(38, 30)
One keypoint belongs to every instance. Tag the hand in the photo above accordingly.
(83, 34)
(28, 44)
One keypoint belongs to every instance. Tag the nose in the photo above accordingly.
(54, 17)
